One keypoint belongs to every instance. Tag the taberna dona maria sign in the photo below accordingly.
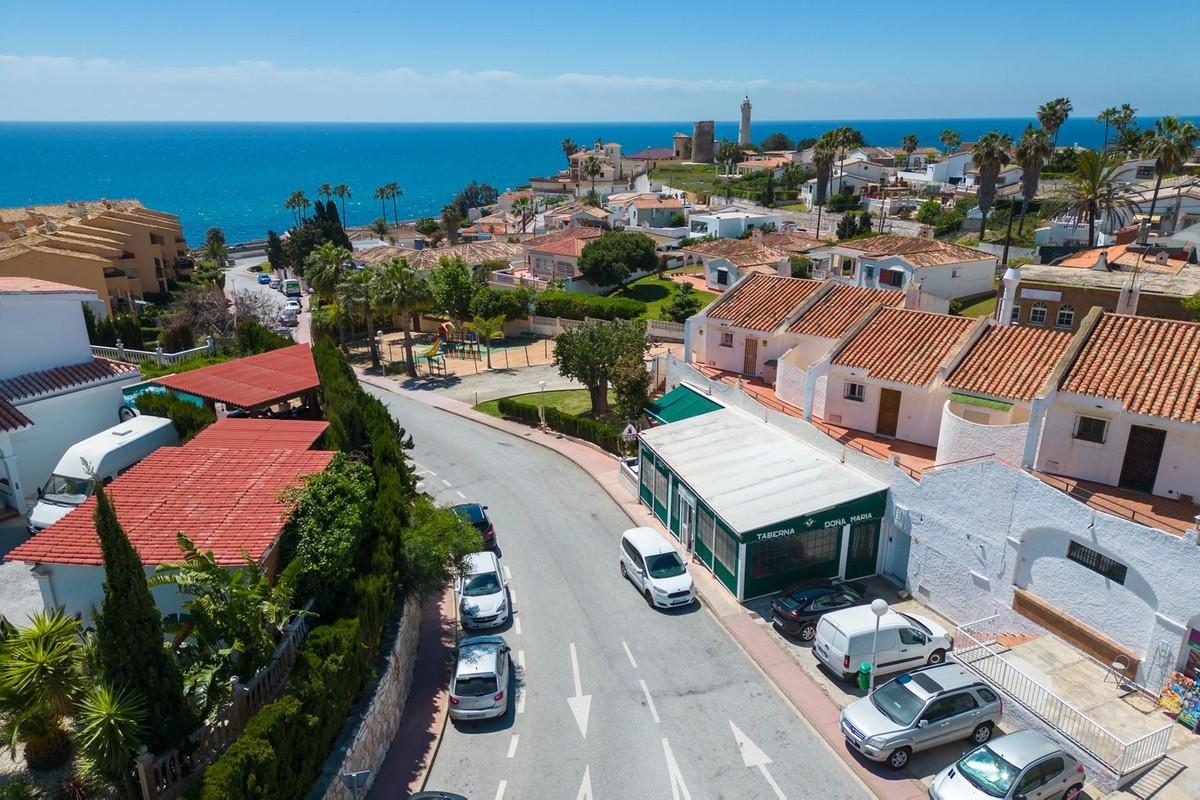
(857, 512)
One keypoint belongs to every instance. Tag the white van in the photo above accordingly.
(653, 566)
(105, 455)
(844, 640)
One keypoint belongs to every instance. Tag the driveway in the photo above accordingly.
(19, 592)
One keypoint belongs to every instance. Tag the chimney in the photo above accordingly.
(756, 236)
(1101, 264)
(1008, 299)
(1131, 292)
(912, 294)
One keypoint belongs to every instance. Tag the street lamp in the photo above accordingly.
(879, 607)
(542, 406)
(379, 349)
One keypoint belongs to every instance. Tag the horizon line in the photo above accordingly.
(1086, 117)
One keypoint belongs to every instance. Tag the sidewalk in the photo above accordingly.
(791, 680)
(415, 745)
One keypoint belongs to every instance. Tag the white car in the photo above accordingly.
(654, 567)
(292, 305)
(479, 687)
(482, 593)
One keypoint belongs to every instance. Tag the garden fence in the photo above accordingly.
(129, 356)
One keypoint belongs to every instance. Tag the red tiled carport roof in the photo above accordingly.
(226, 500)
(251, 381)
(261, 434)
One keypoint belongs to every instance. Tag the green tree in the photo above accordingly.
(511, 303)
(801, 266)
(342, 191)
(381, 194)
(727, 156)
(40, 678)
(1093, 191)
(356, 302)
(1170, 144)
(613, 257)
(452, 218)
(523, 206)
(989, 155)
(569, 149)
(393, 192)
(129, 634)
(950, 140)
(683, 304)
(592, 198)
(864, 223)
(215, 249)
(109, 725)
(1033, 151)
(1052, 114)
(380, 228)
(275, 251)
(824, 153)
(427, 226)
(631, 384)
(434, 547)
(909, 144)
(592, 169)
(487, 329)
(928, 212)
(847, 227)
(778, 141)
(589, 352)
(323, 272)
(189, 418)
(454, 286)
(404, 291)
(1108, 116)
(769, 189)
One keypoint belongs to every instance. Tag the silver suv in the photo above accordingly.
(919, 710)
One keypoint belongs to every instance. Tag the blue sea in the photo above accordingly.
(237, 175)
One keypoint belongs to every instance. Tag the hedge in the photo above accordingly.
(580, 305)
(594, 431)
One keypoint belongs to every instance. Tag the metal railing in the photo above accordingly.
(1110, 505)
(130, 356)
(975, 649)
(664, 330)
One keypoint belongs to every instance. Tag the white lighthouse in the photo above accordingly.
(744, 127)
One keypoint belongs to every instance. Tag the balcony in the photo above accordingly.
(1161, 513)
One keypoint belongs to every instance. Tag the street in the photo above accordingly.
(239, 278)
(613, 699)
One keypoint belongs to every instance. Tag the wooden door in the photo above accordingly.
(889, 412)
(750, 362)
(1142, 454)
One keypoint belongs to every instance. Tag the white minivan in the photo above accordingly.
(844, 640)
(482, 592)
(105, 455)
(654, 567)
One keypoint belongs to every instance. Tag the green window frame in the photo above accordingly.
(726, 548)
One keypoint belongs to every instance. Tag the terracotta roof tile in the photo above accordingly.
(1010, 362)
(904, 346)
(1119, 256)
(918, 252)
(762, 302)
(11, 419)
(226, 500)
(832, 315)
(38, 286)
(49, 381)
(567, 242)
(261, 434)
(792, 242)
(739, 252)
(1152, 366)
(251, 381)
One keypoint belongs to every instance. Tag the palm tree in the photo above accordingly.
(1033, 151)
(381, 194)
(950, 140)
(1108, 116)
(729, 153)
(909, 144)
(1126, 117)
(823, 155)
(1131, 141)
(325, 191)
(394, 191)
(451, 219)
(1051, 115)
(380, 228)
(1092, 191)
(41, 678)
(304, 204)
(488, 328)
(989, 155)
(1170, 144)
(356, 300)
(323, 271)
(342, 191)
(522, 206)
(404, 291)
(293, 204)
(592, 168)
(109, 725)
(569, 149)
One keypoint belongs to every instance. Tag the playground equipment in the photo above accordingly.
(434, 358)
(463, 342)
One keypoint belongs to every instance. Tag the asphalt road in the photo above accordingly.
(239, 278)
(615, 699)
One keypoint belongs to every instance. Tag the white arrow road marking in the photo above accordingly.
(650, 702)
(581, 704)
(632, 663)
(512, 745)
(585, 788)
(520, 688)
(500, 790)
(679, 790)
(753, 756)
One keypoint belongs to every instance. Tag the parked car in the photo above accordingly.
(653, 566)
(292, 305)
(264, 279)
(919, 710)
(1024, 765)
(479, 688)
(274, 283)
(435, 795)
(476, 515)
(796, 610)
(845, 639)
(482, 592)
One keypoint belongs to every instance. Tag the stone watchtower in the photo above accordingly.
(744, 127)
(702, 142)
(681, 146)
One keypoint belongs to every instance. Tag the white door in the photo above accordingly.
(687, 519)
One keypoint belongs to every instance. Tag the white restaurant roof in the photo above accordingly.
(753, 474)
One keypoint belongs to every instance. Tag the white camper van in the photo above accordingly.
(105, 455)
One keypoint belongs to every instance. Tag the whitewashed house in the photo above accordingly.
(892, 261)
(729, 223)
(726, 261)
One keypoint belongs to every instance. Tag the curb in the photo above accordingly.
(422, 777)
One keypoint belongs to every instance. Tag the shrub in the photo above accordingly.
(178, 337)
(580, 305)
(512, 303)
(16, 790)
(597, 432)
(48, 749)
(189, 418)
(253, 338)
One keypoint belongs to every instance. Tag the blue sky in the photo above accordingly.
(539, 61)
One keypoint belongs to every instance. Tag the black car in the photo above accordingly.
(476, 514)
(796, 610)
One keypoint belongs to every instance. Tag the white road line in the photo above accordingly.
(512, 745)
(512, 595)
(517, 624)
(445, 481)
(585, 788)
(650, 702)
(460, 494)
(679, 790)
(520, 688)
(507, 572)
(575, 671)
(580, 704)
(632, 663)
(500, 789)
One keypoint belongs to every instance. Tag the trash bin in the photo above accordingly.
(864, 675)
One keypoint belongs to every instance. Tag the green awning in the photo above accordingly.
(680, 403)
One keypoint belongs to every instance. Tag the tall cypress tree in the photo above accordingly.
(129, 635)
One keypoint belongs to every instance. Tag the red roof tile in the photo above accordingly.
(1010, 362)
(38, 286)
(50, 381)
(261, 434)
(567, 242)
(832, 315)
(918, 252)
(904, 346)
(762, 302)
(251, 381)
(11, 419)
(1152, 366)
(226, 500)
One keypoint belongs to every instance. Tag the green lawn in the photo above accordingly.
(793, 207)
(151, 370)
(980, 308)
(699, 178)
(656, 293)
(568, 401)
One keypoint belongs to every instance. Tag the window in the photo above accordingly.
(986, 694)
(954, 273)
(896, 278)
(1145, 172)
(722, 277)
(661, 487)
(794, 552)
(869, 273)
(1037, 314)
(726, 339)
(1113, 570)
(1016, 314)
(647, 471)
(1091, 429)
(911, 636)
(961, 703)
(855, 392)
(726, 549)
(1066, 316)
(938, 710)
(705, 523)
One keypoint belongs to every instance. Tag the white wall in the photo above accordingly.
(58, 423)
(53, 322)
(960, 438)
(734, 358)
(972, 278)
(794, 364)
(80, 588)
(920, 411)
